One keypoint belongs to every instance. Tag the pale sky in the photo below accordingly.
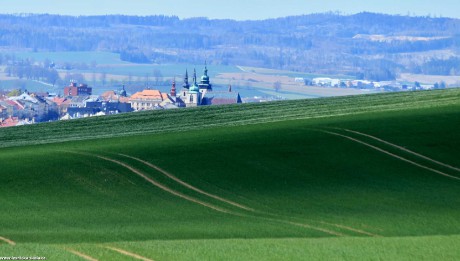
(234, 9)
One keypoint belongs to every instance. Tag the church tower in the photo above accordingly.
(186, 84)
(193, 97)
(205, 84)
(173, 89)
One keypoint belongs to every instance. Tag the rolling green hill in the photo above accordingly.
(362, 177)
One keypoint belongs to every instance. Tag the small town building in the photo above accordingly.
(80, 90)
(146, 100)
(3, 112)
(9, 122)
(202, 93)
(115, 96)
(33, 106)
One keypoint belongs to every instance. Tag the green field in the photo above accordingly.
(29, 85)
(110, 63)
(292, 73)
(362, 177)
(72, 57)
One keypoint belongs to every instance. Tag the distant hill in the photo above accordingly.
(367, 45)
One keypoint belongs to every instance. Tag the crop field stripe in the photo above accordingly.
(352, 229)
(204, 203)
(163, 187)
(244, 207)
(393, 155)
(327, 231)
(126, 253)
(171, 176)
(84, 256)
(241, 206)
(9, 241)
(404, 149)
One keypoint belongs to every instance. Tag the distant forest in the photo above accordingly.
(366, 45)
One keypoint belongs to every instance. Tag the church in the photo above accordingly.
(201, 93)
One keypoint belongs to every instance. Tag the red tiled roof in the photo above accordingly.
(147, 95)
(124, 99)
(109, 95)
(59, 101)
(113, 96)
(164, 96)
(15, 104)
(10, 122)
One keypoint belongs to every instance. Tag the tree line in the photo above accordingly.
(316, 43)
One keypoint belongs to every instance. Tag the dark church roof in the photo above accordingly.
(219, 98)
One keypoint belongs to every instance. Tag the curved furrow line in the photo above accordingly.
(8, 241)
(130, 254)
(351, 229)
(250, 209)
(80, 254)
(163, 187)
(404, 149)
(392, 155)
(208, 205)
(183, 183)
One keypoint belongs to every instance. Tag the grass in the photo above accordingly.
(404, 248)
(303, 183)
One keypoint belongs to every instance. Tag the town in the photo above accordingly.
(78, 101)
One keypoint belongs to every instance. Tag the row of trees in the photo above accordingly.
(33, 72)
(450, 66)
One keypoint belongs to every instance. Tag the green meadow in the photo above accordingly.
(373, 177)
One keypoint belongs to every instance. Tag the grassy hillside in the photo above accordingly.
(365, 177)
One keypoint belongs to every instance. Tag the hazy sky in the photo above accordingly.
(236, 9)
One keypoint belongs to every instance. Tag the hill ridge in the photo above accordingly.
(150, 122)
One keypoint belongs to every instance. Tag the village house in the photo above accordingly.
(3, 112)
(12, 107)
(62, 104)
(146, 100)
(33, 107)
(9, 122)
(114, 96)
(80, 90)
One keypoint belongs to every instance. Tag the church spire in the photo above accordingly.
(173, 88)
(123, 92)
(194, 76)
(186, 84)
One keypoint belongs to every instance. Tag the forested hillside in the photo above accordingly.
(367, 45)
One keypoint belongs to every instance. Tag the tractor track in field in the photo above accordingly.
(404, 149)
(183, 183)
(214, 207)
(208, 205)
(80, 254)
(250, 209)
(155, 183)
(8, 241)
(351, 229)
(130, 254)
(392, 154)
(163, 187)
